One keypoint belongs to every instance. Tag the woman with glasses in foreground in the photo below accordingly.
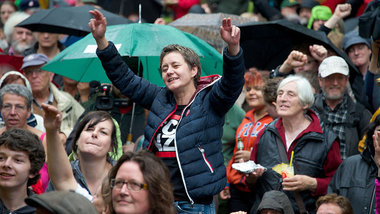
(139, 183)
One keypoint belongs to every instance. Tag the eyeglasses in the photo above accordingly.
(9, 107)
(29, 72)
(119, 183)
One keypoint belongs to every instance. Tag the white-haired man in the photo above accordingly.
(19, 38)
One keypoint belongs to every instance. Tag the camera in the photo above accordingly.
(106, 102)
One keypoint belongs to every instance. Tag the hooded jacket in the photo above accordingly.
(199, 131)
(275, 200)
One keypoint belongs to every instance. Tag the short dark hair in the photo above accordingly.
(25, 141)
(333, 198)
(270, 90)
(92, 118)
(156, 176)
(190, 57)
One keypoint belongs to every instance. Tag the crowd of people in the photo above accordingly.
(316, 115)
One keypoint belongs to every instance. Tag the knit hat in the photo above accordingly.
(319, 12)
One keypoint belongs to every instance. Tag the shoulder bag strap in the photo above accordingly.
(284, 159)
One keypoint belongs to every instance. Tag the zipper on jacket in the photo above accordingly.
(179, 162)
(205, 159)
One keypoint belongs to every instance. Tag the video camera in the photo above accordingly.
(106, 102)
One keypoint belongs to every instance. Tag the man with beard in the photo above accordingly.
(19, 38)
(337, 111)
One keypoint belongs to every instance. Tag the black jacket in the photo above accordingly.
(355, 179)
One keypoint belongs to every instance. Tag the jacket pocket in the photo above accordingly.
(201, 149)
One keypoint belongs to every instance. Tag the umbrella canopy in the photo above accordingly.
(206, 26)
(145, 41)
(267, 45)
(67, 20)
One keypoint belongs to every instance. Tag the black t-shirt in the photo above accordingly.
(166, 150)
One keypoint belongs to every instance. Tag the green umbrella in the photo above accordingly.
(145, 41)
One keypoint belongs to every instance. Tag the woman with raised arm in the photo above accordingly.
(186, 118)
(95, 137)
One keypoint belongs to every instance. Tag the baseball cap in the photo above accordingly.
(333, 65)
(353, 38)
(28, 4)
(62, 202)
(33, 60)
(288, 3)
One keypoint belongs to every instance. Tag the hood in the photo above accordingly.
(207, 80)
(15, 73)
(276, 200)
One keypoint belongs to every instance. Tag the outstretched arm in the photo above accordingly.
(231, 35)
(295, 59)
(59, 167)
(341, 12)
(98, 28)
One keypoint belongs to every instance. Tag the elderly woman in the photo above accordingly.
(186, 117)
(297, 130)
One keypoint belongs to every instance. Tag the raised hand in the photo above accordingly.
(295, 59)
(343, 10)
(52, 117)
(231, 35)
(318, 52)
(376, 145)
(98, 27)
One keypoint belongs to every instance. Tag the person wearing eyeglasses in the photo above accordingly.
(15, 107)
(138, 183)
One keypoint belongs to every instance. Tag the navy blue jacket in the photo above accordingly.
(200, 129)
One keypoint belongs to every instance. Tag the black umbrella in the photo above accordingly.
(67, 20)
(267, 45)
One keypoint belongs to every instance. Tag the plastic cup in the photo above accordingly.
(287, 172)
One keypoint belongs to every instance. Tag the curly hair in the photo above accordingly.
(156, 176)
(25, 141)
(92, 118)
(340, 201)
(190, 57)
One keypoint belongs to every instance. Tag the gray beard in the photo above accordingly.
(20, 48)
(337, 97)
